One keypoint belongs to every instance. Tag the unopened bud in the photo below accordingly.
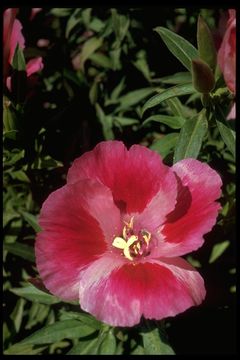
(202, 75)
(206, 48)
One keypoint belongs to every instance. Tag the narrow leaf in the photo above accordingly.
(24, 349)
(165, 145)
(68, 329)
(134, 97)
(227, 134)
(24, 251)
(88, 347)
(31, 220)
(182, 49)
(177, 90)
(191, 137)
(33, 294)
(218, 250)
(177, 78)
(175, 122)
(89, 47)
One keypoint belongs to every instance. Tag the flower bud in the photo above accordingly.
(202, 75)
(206, 48)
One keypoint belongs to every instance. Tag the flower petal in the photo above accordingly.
(195, 212)
(120, 294)
(74, 232)
(34, 65)
(16, 38)
(227, 53)
(133, 176)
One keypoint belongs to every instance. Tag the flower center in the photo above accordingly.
(133, 246)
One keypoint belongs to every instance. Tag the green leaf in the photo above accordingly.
(177, 107)
(89, 47)
(83, 317)
(191, 137)
(118, 89)
(106, 121)
(24, 349)
(31, 220)
(60, 12)
(165, 145)
(133, 97)
(227, 134)
(175, 122)
(120, 25)
(72, 22)
(88, 347)
(101, 60)
(177, 90)
(24, 251)
(18, 62)
(17, 314)
(177, 78)
(68, 329)
(125, 121)
(218, 250)
(20, 175)
(182, 49)
(154, 343)
(108, 344)
(33, 294)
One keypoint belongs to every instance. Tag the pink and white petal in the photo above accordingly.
(133, 176)
(74, 226)
(119, 294)
(232, 113)
(16, 38)
(34, 65)
(196, 210)
(160, 206)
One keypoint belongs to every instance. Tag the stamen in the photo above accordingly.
(132, 245)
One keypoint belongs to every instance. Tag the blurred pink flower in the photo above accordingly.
(227, 52)
(43, 42)
(227, 58)
(12, 36)
(34, 12)
(112, 236)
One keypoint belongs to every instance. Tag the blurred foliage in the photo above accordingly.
(108, 75)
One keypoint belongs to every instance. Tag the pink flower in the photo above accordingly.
(227, 52)
(112, 236)
(12, 36)
(34, 12)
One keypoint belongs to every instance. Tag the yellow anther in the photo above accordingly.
(126, 252)
(132, 240)
(119, 243)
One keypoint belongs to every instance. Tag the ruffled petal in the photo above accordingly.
(133, 176)
(195, 212)
(75, 230)
(120, 294)
(34, 65)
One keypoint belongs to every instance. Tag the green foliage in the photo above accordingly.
(183, 50)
